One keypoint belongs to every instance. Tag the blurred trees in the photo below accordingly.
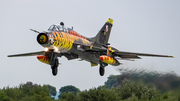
(52, 90)
(25, 92)
(3, 97)
(69, 88)
(128, 91)
(129, 86)
(95, 94)
(111, 82)
(69, 96)
(162, 81)
(138, 89)
(100, 93)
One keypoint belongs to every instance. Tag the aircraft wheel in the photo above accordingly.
(101, 70)
(54, 68)
(54, 71)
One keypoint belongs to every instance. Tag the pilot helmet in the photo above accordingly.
(61, 23)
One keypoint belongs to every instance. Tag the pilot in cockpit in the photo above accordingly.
(62, 24)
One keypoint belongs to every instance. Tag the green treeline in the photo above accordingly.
(69, 88)
(127, 91)
(25, 92)
(129, 86)
(162, 81)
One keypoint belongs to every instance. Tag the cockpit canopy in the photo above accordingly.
(57, 28)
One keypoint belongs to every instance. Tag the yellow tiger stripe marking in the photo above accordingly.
(58, 38)
(65, 40)
(110, 21)
(55, 42)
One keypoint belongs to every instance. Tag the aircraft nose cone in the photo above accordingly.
(101, 58)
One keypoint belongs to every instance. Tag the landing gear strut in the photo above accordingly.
(54, 67)
(53, 60)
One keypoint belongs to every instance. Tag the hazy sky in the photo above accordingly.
(148, 26)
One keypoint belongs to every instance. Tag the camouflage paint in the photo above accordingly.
(107, 59)
(103, 35)
(43, 59)
(110, 21)
(109, 51)
(72, 32)
(65, 40)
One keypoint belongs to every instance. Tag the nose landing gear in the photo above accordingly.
(54, 67)
(53, 60)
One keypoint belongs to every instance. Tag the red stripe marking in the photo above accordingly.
(113, 61)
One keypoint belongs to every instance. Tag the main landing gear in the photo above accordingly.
(102, 68)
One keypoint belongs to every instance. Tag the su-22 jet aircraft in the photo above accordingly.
(61, 41)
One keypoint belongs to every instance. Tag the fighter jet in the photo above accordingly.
(60, 41)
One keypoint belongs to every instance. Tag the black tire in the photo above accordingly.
(54, 71)
(101, 71)
(54, 68)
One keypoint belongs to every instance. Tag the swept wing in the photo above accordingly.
(28, 54)
(133, 54)
(126, 55)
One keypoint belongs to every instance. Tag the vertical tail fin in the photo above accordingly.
(103, 35)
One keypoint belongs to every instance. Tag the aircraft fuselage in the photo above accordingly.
(64, 43)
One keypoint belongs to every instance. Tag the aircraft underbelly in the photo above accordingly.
(87, 56)
(90, 57)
